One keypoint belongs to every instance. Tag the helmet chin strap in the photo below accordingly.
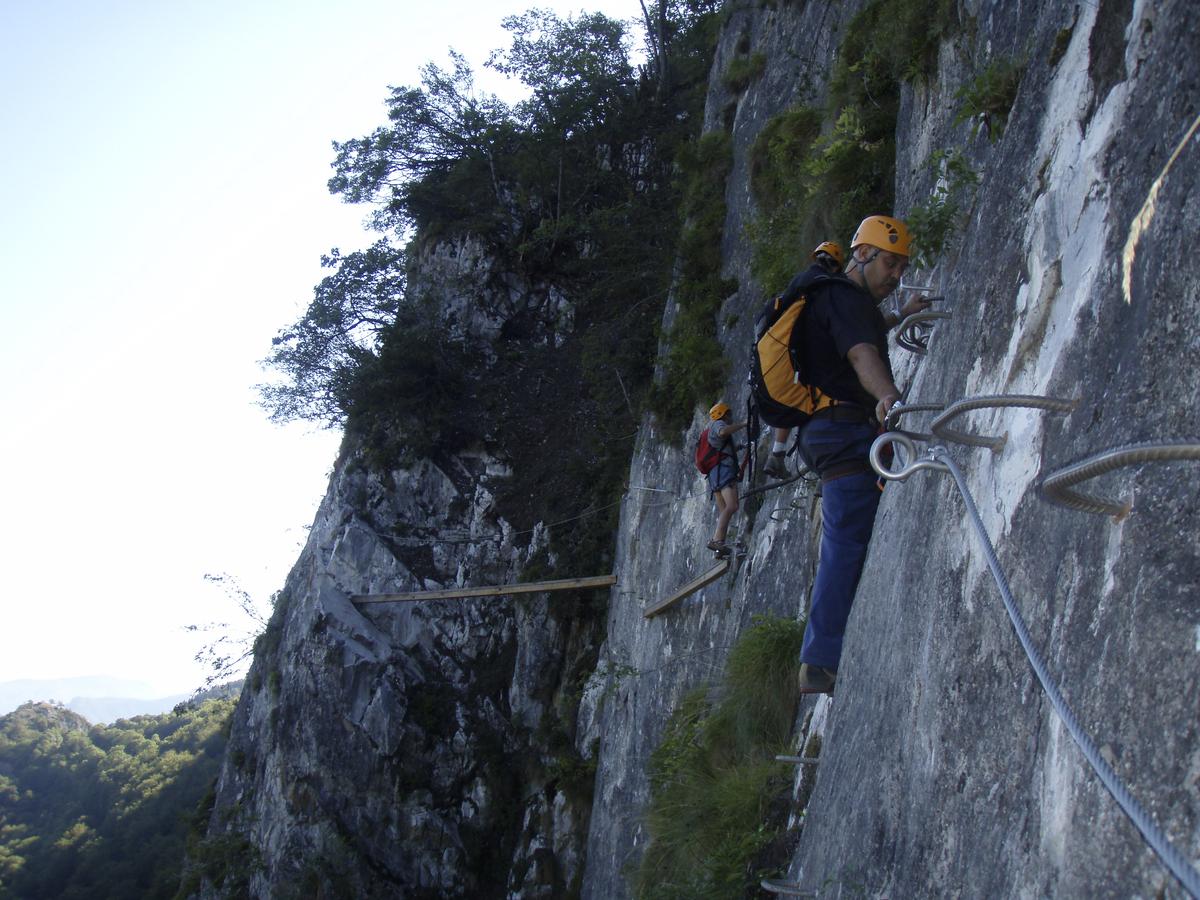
(862, 264)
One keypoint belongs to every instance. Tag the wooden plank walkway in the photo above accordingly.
(533, 587)
(690, 588)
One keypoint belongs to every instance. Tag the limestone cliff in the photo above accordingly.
(417, 750)
(944, 773)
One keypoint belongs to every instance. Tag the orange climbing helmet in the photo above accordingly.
(833, 250)
(718, 411)
(883, 232)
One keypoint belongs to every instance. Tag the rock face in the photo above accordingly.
(433, 750)
(393, 744)
(945, 773)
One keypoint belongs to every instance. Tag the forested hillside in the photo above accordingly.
(103, 812)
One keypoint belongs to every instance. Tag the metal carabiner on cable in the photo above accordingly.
(925, 462)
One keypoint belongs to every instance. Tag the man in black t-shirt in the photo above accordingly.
(828, 259)
(847, 356)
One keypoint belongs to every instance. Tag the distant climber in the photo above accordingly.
(845, 346)
(723, 475)
(828, 259)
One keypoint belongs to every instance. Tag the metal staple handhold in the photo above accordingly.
(901, 409)
(1057, 485)
(940, 424)
(915, 338)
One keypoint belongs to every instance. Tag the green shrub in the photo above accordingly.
(934, 222)
(714, 776)
(990, 96)
(816, 174)
(742, 70)
(693, 365)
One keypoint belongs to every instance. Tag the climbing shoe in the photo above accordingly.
(776, 466)
(816, 679)
(719, 548)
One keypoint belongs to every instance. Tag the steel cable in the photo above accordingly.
(1180, 868)
(914, 332)
(1057, 486)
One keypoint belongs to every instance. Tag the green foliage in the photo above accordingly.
(742, 70)
(990, 96)
(694, 367)
(224, 859)
(784, 144)
(319, 354)
(570, 201)
(815, 188)
(935, 222)
(817, 173)
(576, 68)
(99, 811)
(714, 775)
(442, 134)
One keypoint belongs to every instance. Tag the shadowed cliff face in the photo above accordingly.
(410, 747)
(945, 773)
(433, 749)
(973, 786)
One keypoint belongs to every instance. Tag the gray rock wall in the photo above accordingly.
(973, 786)
(415, 745)
(945, 773)
(406, 749)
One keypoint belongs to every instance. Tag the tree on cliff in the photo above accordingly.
(573, 193)
(574, 184)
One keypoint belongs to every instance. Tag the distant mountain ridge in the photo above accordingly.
(98, 698)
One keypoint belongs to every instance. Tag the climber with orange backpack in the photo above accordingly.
(716, 456)
(823, 367)
(828, 259)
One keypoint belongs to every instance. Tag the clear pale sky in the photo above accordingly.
(163, 212)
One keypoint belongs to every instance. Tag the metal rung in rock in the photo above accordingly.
(533, 587)
(690, 588)
(787, 888)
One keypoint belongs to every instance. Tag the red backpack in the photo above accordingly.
(707, 456)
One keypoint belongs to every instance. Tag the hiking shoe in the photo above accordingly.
(776, 466)
(719, 548)
(816, 679)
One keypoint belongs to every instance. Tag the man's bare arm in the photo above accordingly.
(873, 375)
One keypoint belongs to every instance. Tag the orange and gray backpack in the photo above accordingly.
(780, 389)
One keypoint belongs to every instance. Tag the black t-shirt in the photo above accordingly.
(841, 316)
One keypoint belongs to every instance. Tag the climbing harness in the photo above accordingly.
(938, 459)
(1057, 485)
(941, 429)
(915, 331)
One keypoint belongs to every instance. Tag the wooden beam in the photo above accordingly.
(533, 587)
(690, 588)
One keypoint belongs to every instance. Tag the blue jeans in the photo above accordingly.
(848, 511)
